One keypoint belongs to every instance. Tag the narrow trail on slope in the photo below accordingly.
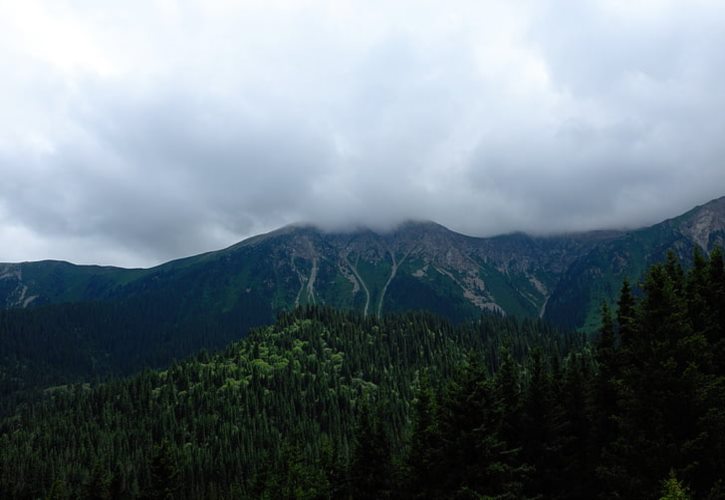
(311, 282)
(302, 281)
(543, 308)
(393, 271)
(362, 283)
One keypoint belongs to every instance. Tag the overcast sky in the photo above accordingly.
(139, 131)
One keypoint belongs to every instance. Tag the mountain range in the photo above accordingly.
(326, 403)
(63, 323)
(419, 265)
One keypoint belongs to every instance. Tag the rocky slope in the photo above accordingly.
(597, 276)
(420, 265)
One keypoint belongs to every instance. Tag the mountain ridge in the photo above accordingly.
(596, 277)
(416, 265)
(81, 322)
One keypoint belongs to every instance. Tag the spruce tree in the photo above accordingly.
(164, 473)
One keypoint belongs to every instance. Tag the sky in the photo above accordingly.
(136, 132)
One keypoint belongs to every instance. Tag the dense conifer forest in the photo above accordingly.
(88, 341)
(328, 404)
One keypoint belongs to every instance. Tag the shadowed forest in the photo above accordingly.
(329, 404)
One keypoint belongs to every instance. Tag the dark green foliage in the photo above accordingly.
(325, 404)
(669, 390)
(540, 425)
(164, 473)
(672, 489)
(60, 344)
(371, 462)
(316, 406)
(625, 314)
(425, 441)
(608, 424)
(407, 293)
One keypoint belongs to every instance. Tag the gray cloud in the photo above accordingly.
(138, 134)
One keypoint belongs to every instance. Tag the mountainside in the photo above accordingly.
(597, 276)
(285, 381)
(331, 404)
(83, 322)
(37, 283)
(417, 266)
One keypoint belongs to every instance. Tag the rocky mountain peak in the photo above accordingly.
(705, 224)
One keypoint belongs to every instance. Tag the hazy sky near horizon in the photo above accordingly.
(140, 131)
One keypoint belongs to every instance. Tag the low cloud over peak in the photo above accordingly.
(152, 130)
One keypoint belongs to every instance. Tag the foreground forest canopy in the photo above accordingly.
(325, 404)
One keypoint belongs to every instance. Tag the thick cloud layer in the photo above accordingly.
(140, 132)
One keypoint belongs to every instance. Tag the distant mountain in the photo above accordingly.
(63, 323)
(420, 265)
(597, 275)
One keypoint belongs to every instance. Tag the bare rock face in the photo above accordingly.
(13, 289)
(705, 225)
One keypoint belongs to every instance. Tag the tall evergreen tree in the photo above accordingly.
(164, 473)
(540, 439)
(626, 314)
(371, 474)
(425, 442)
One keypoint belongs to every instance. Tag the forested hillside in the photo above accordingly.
(65, 343)
(273, 414)
(326, 404)
(67, 323)
(87, 322)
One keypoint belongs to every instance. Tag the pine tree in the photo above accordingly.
(98, 485)
(540, 439)
(626, 314)
(604, 397)
(672, 489)
(371, 463)
(58, 491)
(164, 473)
(424, 443)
